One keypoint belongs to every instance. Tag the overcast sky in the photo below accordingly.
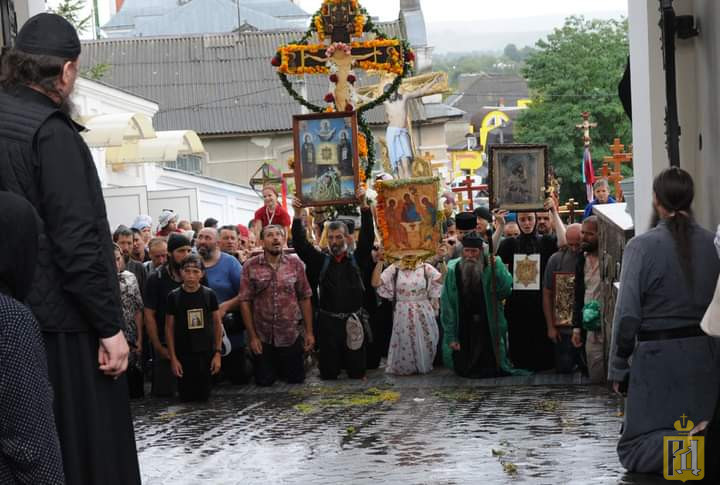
(468, 10)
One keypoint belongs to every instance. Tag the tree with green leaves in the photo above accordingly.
(511, 52)
(72, 11)
(577, 68)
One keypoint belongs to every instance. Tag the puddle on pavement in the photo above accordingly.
(336, 434)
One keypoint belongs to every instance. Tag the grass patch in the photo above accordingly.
(304, 408)
(509, 467)
(549, 406)
(459, 395)
(320, 398)
(367, 398)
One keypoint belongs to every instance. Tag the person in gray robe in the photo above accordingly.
(670, 366)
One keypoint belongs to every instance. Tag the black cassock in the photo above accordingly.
(529, 346)
(476, 357)
(75, 294)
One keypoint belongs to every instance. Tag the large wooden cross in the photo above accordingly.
(614, 175)
(343, 20)
(467, 186)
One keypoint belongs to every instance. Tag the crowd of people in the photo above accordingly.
(87, 317)
(276, 295)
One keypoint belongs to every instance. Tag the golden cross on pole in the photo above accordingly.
(569, 210)
(617, 159)
(585, 126)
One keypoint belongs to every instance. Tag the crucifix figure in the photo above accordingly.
(399, 140)
(617, 159)
(467, 186)
(344, 39)
(343, 20)
(343, 59)
(585, 127)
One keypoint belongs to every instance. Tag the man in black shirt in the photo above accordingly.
(194, 332)
(160, 283)
(341, 334)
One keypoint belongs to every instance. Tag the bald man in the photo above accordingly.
(564, 262)
(223, 273)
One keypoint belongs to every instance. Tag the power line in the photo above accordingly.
(283, 103)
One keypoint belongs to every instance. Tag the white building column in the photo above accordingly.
(648, 105)
(649, 102)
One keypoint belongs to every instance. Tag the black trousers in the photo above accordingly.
(164, 383)
(381, 323)
(135, 376)
(285, 363)
(236, 366)
(334, 353)
(567, 356)
(196, 381)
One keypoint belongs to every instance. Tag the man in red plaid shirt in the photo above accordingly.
(275, 304)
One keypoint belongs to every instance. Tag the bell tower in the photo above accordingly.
(413, 23)
(410, 5)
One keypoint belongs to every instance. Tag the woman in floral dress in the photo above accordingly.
(415, 289)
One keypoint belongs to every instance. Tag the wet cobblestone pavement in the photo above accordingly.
(436, 429)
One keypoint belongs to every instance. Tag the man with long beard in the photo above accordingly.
(472, 313)
(75, 294)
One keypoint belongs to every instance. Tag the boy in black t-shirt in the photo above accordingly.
(194, 332)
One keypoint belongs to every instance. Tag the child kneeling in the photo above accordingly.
(194, 332)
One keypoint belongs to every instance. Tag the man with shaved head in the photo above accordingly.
(223, 273)
(563, 262)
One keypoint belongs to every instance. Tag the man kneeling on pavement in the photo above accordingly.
(341, 329)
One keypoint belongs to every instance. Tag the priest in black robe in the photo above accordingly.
(74, 293)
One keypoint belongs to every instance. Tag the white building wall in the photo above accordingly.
(707, 110)
(648, 105)
(149, 188)
(698, 78)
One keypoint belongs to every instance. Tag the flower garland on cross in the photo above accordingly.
(336, 57)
